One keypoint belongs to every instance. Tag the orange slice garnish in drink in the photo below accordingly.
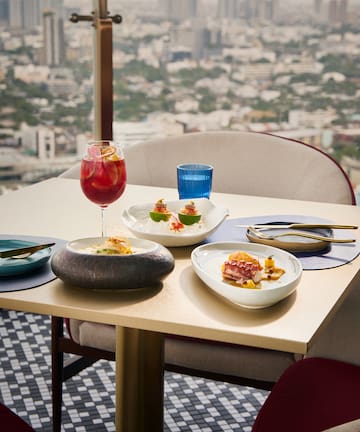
(107, 152)
(106, 176)
(87, 170)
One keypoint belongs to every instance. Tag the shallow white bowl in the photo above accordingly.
(207, 260)
(137, 219)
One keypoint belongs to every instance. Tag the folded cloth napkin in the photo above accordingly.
(33, 278)
(336, 255)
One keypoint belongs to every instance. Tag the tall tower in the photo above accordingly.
(332, 11)
(55, 5)
(342, 11)
(227, 8)
(24, 14)
(4, 12)
(261, 9)
(175, 9)
(274, 8)
(54, 41)
(317, 7)
(187, 8)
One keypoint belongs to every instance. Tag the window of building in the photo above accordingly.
(183, 66)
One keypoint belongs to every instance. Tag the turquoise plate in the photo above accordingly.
(12, 267)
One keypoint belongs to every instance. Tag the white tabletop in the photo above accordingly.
(184, 305)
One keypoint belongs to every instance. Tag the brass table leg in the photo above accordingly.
(139, 380)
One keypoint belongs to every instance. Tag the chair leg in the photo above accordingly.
(57, 359)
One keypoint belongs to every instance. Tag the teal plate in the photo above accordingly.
(13, 267)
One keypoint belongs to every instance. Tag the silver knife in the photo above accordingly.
(19, 251)
(299, 226)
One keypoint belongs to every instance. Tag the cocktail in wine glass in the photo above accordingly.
(103, 174)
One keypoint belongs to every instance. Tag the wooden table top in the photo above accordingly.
(184, 305)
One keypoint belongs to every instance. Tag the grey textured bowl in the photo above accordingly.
(146, 267)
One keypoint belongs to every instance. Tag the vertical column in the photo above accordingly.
(103, 72)
(139, 380)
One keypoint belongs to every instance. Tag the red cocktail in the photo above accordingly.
(103, 173)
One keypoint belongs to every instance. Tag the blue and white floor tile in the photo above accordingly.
(191, 404)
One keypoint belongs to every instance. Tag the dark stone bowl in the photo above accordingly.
(146, 267)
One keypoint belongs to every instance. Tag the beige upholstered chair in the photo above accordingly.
(244, 163)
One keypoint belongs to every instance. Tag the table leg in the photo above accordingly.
(139, 380)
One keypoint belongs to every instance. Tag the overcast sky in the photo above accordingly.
(72, 3)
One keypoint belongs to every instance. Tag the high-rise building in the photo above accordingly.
(4, 12)
(342, 11)
(54, 41)
(332, 11)
(24, 14)
(27, 14)
(55, 5)
(228, 8)
(318, 7)
(337, 11)
(261, 9)
(179, 10)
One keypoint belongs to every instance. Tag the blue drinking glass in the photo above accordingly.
(194, 180)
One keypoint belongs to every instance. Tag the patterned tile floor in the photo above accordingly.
(191, 404)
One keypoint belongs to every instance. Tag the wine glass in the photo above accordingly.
(103, 174)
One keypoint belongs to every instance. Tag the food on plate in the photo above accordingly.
(271, 271)
(189, 214)
(160, 211)
(175, 224)
(114, 246)
(245, 271)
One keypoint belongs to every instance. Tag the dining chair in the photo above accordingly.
(9, 421)
(313, 395)
(244, 163)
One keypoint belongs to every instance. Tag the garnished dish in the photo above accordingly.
(112, 263)
(189, 214)
(243, 270)
(160, 212)
(203, 218)
(229, 269)
(113, 246)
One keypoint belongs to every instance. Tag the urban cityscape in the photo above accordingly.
(288, 68)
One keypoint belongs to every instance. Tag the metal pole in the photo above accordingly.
(103, 71)
(103, 66)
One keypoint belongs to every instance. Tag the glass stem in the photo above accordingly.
(102, 222)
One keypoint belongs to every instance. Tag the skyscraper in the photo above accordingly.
(54, 41)
(175, 9)
(317, 7)
(24, 14)
(342, 11)
(27, 14)
(227, 8)
(337, 11)
(4, 12)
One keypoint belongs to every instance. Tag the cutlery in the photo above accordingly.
(262, 235)
(23, 252)
(298, 226)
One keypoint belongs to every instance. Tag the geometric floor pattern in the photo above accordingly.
(190, 403)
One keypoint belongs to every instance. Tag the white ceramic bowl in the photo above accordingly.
(137, 219)
(207, 260)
